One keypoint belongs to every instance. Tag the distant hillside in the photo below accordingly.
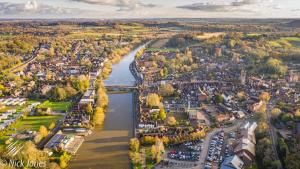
(295, 23)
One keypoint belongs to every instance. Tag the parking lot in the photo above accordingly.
(187, 151)
(185, 155)
(219, 148)
(215, 151)
(176, 164)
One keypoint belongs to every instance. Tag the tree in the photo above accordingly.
(99, 116)
(64, 159)
(166, 90)
(38, 138)
(262, 129)
(153, 100)
(263, 145)
(147, 140)
(70, 91)
(287, 117)
(51, 52)
(275, 66)
(59, 93)
(2, 89)
(162, 114)
(134, 145)
(282, 148)
(82, 83)
(165, 140)
(161, 73)
(219, 98)
(153, 152)
(171, 121)
(63, 163)
(43, 131)
(157, 150)
(155, 116)
(107, 68)
(264, 96)
(241, 95)
(7, 141)
(292, 161)
(89, 109)
(135, 158)
(54, 165)
(102, 97)
(275, 112)
(231, 43)
(31, 153)
(52, 126)
(297, 113)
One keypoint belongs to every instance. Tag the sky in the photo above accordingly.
(105, 9)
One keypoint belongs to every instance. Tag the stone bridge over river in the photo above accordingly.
(120, 88)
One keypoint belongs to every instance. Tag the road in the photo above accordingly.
(272, 131)
(203, 154)
(24, 64)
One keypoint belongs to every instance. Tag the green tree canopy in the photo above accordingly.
(81, 83)
(153, 100)
(166, 90)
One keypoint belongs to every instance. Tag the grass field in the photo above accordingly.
(93, 35)
(252, 35)
(286, 41)
(34, 122)
(294, 41)
(58, 106)
(210, 35)
(29, 123)
(159, 43)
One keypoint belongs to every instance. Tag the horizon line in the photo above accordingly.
(230, 18)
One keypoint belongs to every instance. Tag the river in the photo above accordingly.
(107, 147)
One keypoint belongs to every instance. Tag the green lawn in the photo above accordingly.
(252, 35)
(294, 41)
(286, 41)
(34, 122)
(56, 105)
(29, 123)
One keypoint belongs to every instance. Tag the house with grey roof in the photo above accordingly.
(232, 162)
(245, 144)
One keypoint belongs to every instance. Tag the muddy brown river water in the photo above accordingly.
(107, 147)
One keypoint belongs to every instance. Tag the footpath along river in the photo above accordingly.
(107, 146)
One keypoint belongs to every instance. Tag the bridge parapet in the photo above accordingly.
(120, 88)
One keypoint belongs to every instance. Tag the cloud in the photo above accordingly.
(122, 4)
(210, 7)
(247, 2)
(295, 10)
(31, 5)
(276, 6)
(32, 8)
(242, 6)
